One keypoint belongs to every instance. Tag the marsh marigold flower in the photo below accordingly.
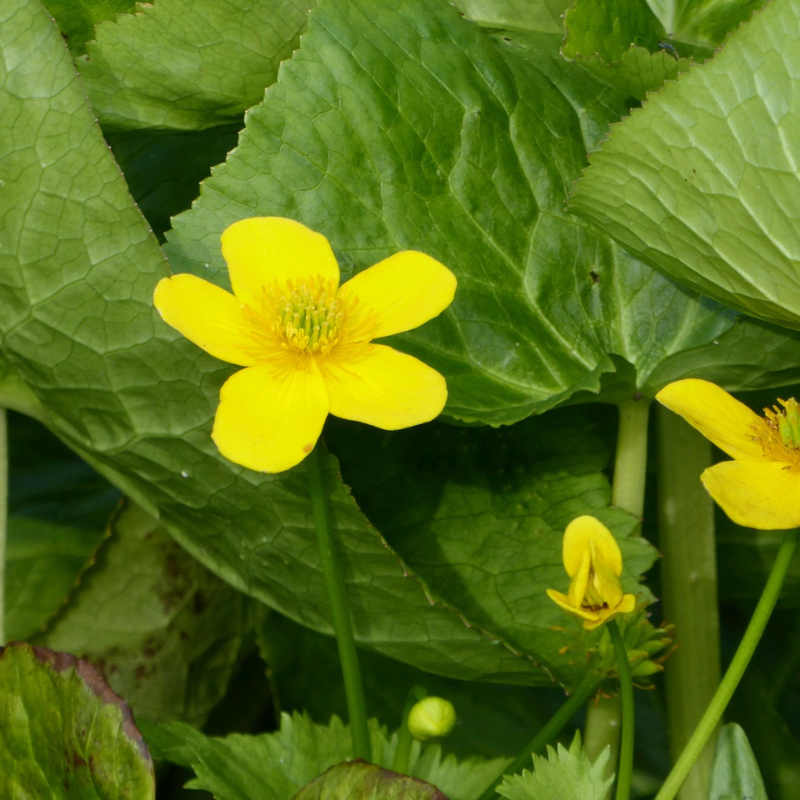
(761, 487)
(305, 341)
(593, 561)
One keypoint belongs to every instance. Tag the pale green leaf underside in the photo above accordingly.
(703, 182)
(65, 734)
(735, 773)
(189, 64)
(567, 774)
(542, 16)
(166, 631)
(78, 270)
(403, 126)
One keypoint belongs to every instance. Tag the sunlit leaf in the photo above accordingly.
(735, 773)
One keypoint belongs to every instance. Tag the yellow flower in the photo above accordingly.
(761, 488)
(306, 342)
(593, 560)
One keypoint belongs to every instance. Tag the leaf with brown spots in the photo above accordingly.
(50, 703)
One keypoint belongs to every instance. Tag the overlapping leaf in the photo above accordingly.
(164, 630)
(65, 734)
(189, 64)
(703, 181)
(78, 269)
(401, 126)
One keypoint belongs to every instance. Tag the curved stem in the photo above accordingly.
(337, 595)
(549, 731)
(3, 519)
(626, 691)
(741, 659)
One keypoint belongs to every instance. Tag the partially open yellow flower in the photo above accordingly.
(306, 342)
(761, 488)
(593, 560)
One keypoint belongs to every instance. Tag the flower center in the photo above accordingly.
(310, 317)
(780, 432)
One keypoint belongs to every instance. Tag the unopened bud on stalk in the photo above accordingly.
(431, 718)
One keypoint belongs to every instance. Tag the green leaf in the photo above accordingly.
(480, 514)
(543, 16)
(735, 774)
(189, 64)
(66, 735)
(277, 765)
(361, 781)
(164, 630)
(704, 23)
(58, 513)
(79, 267)
(77, 18)
(565, 774)
(461, 145)
(608, 28)
(702, 182)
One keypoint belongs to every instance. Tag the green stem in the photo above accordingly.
(741, 659)
(602, 728)
(689, 588)
(630, 465)
(625, 769)
(548, 732)
(3, 519)
(337, 596)
(402, 755)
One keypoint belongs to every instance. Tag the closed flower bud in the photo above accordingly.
(431, 718)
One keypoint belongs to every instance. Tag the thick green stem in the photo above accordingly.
(548, 732)
(630, 465)
(689, 588)
(730, 681)
(602, 728)
(3, 520)
(625, 769)
(337, 596)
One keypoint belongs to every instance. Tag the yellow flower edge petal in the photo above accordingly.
(579, 582)
(720, 417)
(269, 419)
(626, 605)
(577, 537)
(756, 494)
(206, 315)
(564, 602)
(400, 293)
(384, 388)
(261, 251)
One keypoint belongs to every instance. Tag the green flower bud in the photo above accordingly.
(431, 718)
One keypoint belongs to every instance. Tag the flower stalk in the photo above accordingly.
(337, 596)
(738, 665)
(689, 588)
(625, 769)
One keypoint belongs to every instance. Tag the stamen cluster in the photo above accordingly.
(779, 432)
(310, 317)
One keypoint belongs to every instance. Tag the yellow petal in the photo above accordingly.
(718, 416)
(563, 601)
(757, 494)
(208, 316)
(577, 588)
(269, 419)
(384, 388)
(606, 583)
(261, 250)
(579, 533)
(398, 294)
